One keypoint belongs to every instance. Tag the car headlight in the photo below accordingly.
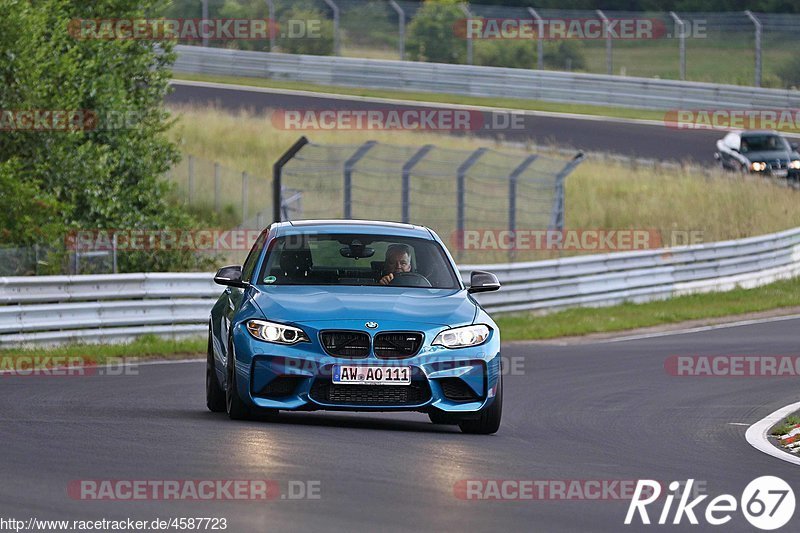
(462, 337)
(277, 333)
(795, 165)
(758, 167)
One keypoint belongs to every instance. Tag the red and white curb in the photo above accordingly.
(758, 435)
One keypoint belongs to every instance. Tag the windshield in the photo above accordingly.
(760, 143)
(357, 259)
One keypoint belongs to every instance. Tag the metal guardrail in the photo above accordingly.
(119, 307)
(471, 80)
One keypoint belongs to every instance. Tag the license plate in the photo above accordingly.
(780, 173)
(372, 375)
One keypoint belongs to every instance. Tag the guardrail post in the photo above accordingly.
(512, 198)
(557, 216)
(461, 193)
(539, 38)
(191, 180)
(348, 176)
(204, 15)
(244, 196)
(680, 28)
(609, 63)
(465, 10)
(272, 24)
(336, 36)
(217, 188)
(401, 28)
(277, 169)
(757, 24)
(407, 167)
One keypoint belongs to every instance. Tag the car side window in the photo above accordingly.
(252, 258)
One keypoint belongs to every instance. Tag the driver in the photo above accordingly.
(398, 259)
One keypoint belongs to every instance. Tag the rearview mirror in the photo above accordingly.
(230, 276)
(480, 281)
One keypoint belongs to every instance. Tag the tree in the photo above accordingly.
(105, 174)
(433, 35)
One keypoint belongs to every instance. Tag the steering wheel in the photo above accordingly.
(410, 279)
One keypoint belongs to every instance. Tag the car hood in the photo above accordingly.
(767, 155)
(302, 304)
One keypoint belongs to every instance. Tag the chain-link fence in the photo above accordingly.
(741, 47)
(457, 193)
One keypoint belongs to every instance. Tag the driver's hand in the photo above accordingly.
(385, 280)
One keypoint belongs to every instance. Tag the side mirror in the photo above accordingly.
(480, 281)
(794, 146)
(230, 276)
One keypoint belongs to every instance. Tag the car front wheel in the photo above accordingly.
(215, 396)
(489, 420)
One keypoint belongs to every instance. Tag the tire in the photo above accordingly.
(215, 396)
(236, 408)
(489, 421)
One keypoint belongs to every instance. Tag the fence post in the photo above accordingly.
(539, 38)
(407, 167)
(557, 215)
(461, 192)
(191, 180)
(401, 28)
(204, 15)
(512, 199)
(335, 9)
(680, 27)
(465, 10)
(609, 63)
(348, 176)
(757, 24)
(217, 188)
(272, 24)
(114, 252)
(277, 169)
(244, 196)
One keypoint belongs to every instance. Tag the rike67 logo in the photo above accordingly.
(767, 503)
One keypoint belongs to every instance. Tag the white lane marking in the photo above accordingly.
(738, 424)
(756, 434)
(398, 101)
(130, 362)
(699, 329)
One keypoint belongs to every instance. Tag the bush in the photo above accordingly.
(564, 55)
(103, 177)
(514, 54)
(320, 43)
(432, 36)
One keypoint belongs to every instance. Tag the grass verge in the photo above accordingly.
(582, 321)
(143, 348)
(786, 426)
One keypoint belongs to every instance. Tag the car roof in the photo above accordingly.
(354, 226)
(755, 132)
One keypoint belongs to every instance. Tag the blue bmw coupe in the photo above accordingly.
(354, 316)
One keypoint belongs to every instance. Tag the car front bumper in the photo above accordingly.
(455, 381)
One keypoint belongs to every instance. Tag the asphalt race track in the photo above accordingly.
(580, 412)
(650, 141)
